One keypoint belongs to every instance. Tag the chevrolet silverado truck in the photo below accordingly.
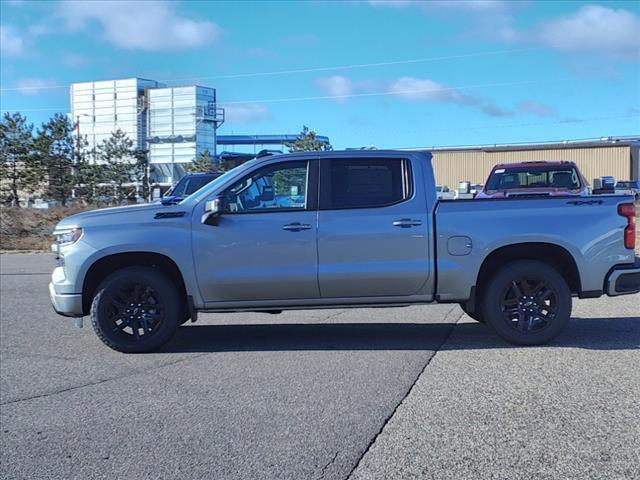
(337, 230)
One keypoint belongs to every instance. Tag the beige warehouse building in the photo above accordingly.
(618, 157)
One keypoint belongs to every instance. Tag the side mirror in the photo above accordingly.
(212, 211)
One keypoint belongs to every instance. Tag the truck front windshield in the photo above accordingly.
(223, 178)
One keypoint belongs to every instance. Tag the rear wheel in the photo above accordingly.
(136, 309)
(527, 303)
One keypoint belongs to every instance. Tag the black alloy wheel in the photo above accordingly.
(136, 309)
(527, 302)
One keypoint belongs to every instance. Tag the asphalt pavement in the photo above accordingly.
(319, 394)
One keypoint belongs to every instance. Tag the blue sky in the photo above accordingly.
(384, 73)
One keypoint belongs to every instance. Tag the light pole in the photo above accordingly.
(76, 156)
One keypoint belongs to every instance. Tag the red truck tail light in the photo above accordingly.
(628, 210)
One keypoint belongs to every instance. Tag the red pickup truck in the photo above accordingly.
(535, 179)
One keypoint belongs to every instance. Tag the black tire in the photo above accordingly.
(136, 310)
(527, 303)
(476, 315)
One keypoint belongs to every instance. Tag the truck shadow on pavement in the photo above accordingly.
(615, 333)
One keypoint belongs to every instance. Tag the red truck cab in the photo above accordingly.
(535, 179)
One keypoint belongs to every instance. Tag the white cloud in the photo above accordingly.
(335, 86)
(470, 5)
(342, 87)
(424, 89)
(142, 25)
(536, 108)
(487, 18)
(594, 27)
(428, 90)
(33, 86)
(11, 42)
(246, 113)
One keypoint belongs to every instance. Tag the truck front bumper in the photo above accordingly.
(64, 300)
(69, 305)
(624, 279)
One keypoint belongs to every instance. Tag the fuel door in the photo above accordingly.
(459, 245)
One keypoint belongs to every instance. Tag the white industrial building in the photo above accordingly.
(174, 124)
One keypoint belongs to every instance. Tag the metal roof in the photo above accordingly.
(582, 143)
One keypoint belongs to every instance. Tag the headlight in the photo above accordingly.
(68, 237)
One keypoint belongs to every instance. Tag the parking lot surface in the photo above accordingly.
(419, 392)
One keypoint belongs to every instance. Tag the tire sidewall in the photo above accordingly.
(169, 298)
(492, 311)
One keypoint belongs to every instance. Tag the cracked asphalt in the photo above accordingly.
(294, 396)
(327, 394)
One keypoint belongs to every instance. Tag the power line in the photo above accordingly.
(394, 92)
(353, 95)
(303, 70)
(355, 66)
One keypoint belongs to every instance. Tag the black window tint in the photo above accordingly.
(358, 183)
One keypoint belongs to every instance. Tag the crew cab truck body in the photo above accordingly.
(335, 230)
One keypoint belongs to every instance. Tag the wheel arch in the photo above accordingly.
(554, 255)
(106, 265)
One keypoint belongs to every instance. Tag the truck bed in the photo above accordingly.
(469, 230)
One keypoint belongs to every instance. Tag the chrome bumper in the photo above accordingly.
(69, 305)
(624, 279)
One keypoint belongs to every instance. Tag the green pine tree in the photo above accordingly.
(20, 170)
(89, 177)
(308, 142)
(54, 145)
(141, 171)
(116, 154)
(203, 163)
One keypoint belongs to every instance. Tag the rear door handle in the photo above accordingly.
(407, 223)
(296, 227)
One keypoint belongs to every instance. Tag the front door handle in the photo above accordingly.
(296, 227)
(407, 223)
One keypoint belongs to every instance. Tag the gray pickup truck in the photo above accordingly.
(336, 230)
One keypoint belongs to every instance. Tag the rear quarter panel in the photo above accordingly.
(590, 229)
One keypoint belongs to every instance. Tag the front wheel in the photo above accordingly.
(136, 309)
(527, 303)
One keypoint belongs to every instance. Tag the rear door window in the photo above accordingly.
(364, 183)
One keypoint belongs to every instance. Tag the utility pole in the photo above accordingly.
(76, 156)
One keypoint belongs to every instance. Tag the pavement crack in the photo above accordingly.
(334, 315)
(98, 382)
(329, 463)
(408, 392)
